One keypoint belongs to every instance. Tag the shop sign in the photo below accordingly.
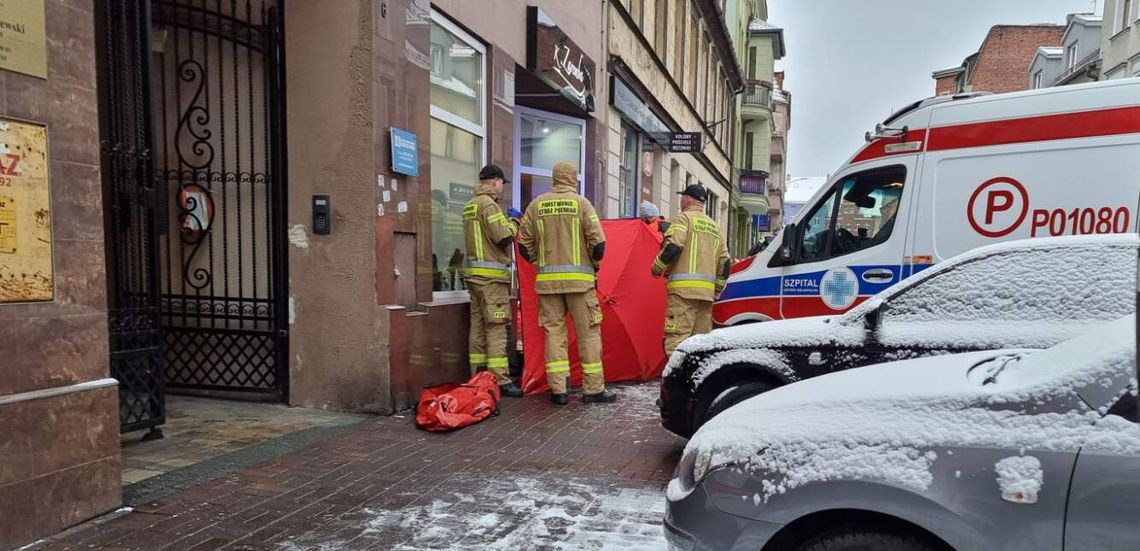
(405, 155)
(25, 213)
(557, 60)
(633, 108)
(23, 41)
(679, 142)
(760, 222)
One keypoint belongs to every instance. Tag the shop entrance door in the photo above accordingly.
(542, 139)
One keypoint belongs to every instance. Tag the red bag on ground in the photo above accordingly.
(454, 405)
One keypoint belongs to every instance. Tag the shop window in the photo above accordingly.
(627, 172)
(458, 135)
(543, 139)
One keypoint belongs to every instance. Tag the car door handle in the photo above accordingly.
(878, 276)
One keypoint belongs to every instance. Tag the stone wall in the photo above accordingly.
(59, 413)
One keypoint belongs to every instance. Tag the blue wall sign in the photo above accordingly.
(405, 155)
(760, 222)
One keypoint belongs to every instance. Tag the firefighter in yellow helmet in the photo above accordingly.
(560, 234)
(489, 237)
(696, 261)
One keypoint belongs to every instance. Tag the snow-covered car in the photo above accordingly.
(1020, 294)
(1011, 450)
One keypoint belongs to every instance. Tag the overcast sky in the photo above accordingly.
(851, 63)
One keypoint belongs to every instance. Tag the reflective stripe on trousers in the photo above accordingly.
(558, 366)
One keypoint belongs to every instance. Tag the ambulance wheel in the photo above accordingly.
(734, 395)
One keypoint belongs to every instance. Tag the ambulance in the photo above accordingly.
(943, 176)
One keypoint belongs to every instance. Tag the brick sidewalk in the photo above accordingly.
(535, 477)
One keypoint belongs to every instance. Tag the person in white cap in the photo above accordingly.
(651, 215)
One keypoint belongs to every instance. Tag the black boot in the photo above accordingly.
(603, 397)
(560, 399)
(511, 389)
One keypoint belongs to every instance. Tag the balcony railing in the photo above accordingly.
(756, 95)
(754, 181)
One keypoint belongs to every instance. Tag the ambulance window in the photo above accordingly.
(865, 217)
(867, 212)
(815, 230)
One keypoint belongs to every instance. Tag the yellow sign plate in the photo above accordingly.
(25, 213)
(23, 38)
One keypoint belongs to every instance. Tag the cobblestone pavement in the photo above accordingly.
(535, 477)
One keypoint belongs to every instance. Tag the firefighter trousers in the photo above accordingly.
(685, 317)
(587, 316)
(487, 342)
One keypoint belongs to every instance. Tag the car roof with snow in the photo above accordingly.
(894, 414)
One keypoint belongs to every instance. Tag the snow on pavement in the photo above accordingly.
(530, 511)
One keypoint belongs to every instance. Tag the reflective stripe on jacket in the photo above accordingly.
(484, 226)
(560, 230)
(698, 272)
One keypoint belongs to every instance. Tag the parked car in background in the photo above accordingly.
(1009, 450)
(1021, 294)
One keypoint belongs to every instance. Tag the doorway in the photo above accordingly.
(192, 126)
(543, 138)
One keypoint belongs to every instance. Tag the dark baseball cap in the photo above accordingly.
(696, 191)
(493, 171)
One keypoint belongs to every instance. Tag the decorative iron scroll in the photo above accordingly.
(194, 120)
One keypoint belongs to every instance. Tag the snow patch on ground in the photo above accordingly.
(523, 512)
(1020, 478)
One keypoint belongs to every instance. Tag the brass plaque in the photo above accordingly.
(23, 38)
(25, 214)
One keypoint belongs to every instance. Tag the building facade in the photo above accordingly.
(761, 127)
(224, 209)
(1120, 39)
(1080, 50)
(671, 69)
(1000, 63)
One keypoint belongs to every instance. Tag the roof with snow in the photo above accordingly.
(759, 26)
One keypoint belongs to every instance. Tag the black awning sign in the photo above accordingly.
(559, 61)
(679, 142)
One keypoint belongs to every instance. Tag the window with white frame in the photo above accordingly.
(458, 136)
(1122, 18)
(1037, 80)
(1071, 56)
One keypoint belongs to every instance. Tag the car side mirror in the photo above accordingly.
(872, 319)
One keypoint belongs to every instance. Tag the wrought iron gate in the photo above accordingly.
(129, 194)
(218, 117)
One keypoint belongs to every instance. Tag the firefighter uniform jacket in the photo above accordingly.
(694, 257)
(560, 233)
(485, 228)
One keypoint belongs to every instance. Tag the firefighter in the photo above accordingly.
(560, 234)
(489, 236)
(696, 261)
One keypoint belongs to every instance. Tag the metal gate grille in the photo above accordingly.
(216, 79)
(129, 193)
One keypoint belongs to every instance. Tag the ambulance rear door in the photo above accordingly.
(851, 242)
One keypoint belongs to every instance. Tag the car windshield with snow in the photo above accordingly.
(1008, 449)
(1021, 294)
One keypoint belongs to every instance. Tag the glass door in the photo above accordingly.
(542, 139)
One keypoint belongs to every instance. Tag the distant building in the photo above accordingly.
(1046, 66)
(999, 64)
(799, 191)
(1120, 39)
(764, 116)
(1080, 47)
